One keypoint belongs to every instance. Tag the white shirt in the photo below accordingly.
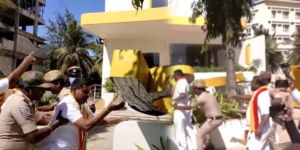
(4, 85)
(182, 86)
(296, 95)
(66, 137)
(263, 103)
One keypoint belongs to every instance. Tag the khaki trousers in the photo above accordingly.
(272, 138)
(207, 127)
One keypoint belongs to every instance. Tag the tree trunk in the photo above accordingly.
(230, 69)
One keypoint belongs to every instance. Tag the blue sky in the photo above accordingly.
(77, 7)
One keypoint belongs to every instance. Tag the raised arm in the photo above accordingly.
(90, 123)
(13, 78)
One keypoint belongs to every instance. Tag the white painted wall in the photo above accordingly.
(181, 8)
(121, 5)
(257, 45)
(177, 7)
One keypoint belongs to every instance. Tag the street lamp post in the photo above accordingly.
(16, 28)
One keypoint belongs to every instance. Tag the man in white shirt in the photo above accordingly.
(73, 135)
(13, 78)
(258, 116)
(185, 135)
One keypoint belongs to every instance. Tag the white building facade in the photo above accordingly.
(281, 17)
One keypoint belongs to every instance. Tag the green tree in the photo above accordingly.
(223, 19)
(69, 43)
(274, 58)
(294, 56)
(5, 4)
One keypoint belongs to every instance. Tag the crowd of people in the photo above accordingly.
(68, 119)
(270, 104)
(65, 122)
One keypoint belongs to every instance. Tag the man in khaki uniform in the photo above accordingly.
(211, 108)
(18, 129)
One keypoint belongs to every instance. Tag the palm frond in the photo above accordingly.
(6, 4)
(273, 56)
(294, 56)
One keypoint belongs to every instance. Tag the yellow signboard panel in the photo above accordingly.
(296, 74)
(2, 97)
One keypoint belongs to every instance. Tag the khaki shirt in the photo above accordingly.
(64, 92)
(209, 104)
(274, 93)
(18, 118)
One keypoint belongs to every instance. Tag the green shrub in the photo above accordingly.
(222, 69)
(47, 100)
(109, 86)
(230, 109)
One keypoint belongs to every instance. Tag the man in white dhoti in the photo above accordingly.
(258, 116)
(185, 135)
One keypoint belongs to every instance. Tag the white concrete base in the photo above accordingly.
(129, 134)
(145, 134)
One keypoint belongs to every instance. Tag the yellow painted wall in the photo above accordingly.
(296, 73)
(2, 97)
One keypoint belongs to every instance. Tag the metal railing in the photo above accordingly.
(95, 92)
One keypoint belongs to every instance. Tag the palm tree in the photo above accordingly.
(5, 4)
(274, 58)
(294, 56)
(99, 59)
(70, 44)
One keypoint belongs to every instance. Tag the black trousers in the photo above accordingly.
(292, 131)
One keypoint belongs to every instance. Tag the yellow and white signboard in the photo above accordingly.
(296, 74)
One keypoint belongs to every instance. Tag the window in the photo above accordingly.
(152, 59)
(274, 27)
(297, 15)
(248, 31)
(253, 16)
(273, 14)
(159, 3)
(285, 15)
(189, 54)
(286, 41)
(286, 28)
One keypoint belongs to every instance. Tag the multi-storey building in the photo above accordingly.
(280, 17)
(31, 14)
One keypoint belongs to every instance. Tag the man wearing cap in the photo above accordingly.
(185, 136)
(210, 106)
(18, 128)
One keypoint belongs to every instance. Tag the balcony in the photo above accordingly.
(25, 46)
(23, 33)
(27, 14)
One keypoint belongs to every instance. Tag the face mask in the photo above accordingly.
(72, 79)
